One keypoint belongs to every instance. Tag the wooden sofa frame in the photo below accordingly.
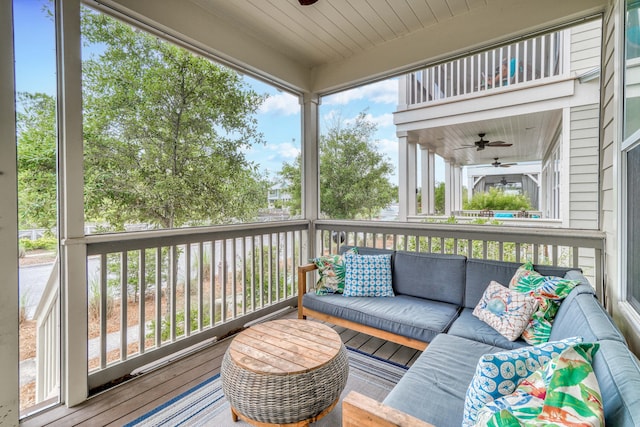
(359, 410)
(303, 312)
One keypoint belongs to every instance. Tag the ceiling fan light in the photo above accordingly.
(306, 2)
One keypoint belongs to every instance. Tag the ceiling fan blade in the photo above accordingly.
(498, 144)
(505, 165)
(464, 146)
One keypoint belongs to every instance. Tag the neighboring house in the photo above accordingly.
(278, 196)
(539, 96)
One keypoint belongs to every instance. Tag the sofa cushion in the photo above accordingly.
(506, 311)
(470, 327)
(564, 391)
(498, 374)
(434, 388)
(618, 376)
(581, 312)
(481, 272)
(439, 277)
(367, 275)
(403, 315)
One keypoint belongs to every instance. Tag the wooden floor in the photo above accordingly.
(128, 401)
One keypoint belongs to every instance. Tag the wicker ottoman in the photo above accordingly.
(284, 372)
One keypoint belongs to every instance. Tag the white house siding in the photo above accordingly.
(585, 47)
(583, 168)
(611, 90)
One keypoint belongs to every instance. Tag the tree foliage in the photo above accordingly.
(165, 132)
(354, 176)
(496, 199)
(36, 126)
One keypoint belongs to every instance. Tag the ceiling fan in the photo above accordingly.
(482, 143)
(497, 164)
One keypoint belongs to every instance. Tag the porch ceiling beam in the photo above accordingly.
(215, 35)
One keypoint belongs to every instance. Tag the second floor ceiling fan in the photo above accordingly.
(482, 143)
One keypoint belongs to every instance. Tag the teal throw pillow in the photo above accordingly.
(367, 276)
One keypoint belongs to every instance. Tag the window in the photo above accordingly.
(631, 151)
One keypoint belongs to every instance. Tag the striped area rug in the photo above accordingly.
(205, 404)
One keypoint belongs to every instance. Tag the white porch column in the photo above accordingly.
(406, 177)
(457, 172)
(448, 184)
(310, 166)
(71, 199)
(9, 327)
(428, 180)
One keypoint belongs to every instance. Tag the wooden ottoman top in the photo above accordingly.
(285, 347)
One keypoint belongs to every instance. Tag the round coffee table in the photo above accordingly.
(284, 372)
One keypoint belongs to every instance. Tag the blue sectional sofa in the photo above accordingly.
(432, 310)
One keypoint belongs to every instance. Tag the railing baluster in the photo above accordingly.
(501, 250)
(223, 280)
(554, 256)
(212, 281)
(187, 290)
(576, 256)
(124, 299)
(270, 259)
(534, 55)
(142, 280)
(536, 253)
(158, 316)
(243, 275)
(525, 61)
(253, 273)
(104, 297)
(234, 282)
(286, 262)
(200, 286)
(261, 269)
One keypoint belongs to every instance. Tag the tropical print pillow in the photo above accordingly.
(506, 311)
(498, 374)
(549, 291)
(332, 271)
(564, 392)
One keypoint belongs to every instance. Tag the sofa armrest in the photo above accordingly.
(302, 284)
(359, 410)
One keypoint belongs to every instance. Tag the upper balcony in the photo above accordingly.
(531, 60)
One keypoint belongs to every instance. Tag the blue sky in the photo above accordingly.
(278, 118)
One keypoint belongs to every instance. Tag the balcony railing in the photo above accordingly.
(525, 61)
(154, 293)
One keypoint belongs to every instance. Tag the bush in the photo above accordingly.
(496, 199)
(49, 243)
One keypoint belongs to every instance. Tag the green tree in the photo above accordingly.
(165, 132)
(497, 199)
(354, 177)
(439, 198)
(36, 122)
(291, 174)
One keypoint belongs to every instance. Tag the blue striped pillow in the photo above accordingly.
(367, 276)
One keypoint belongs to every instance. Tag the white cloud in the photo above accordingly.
(383, 120)
(282, 151)
(388, 146)
(384, 92)
(283, 103)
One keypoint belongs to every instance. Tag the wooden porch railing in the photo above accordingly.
(582, 249)
(153, 294)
